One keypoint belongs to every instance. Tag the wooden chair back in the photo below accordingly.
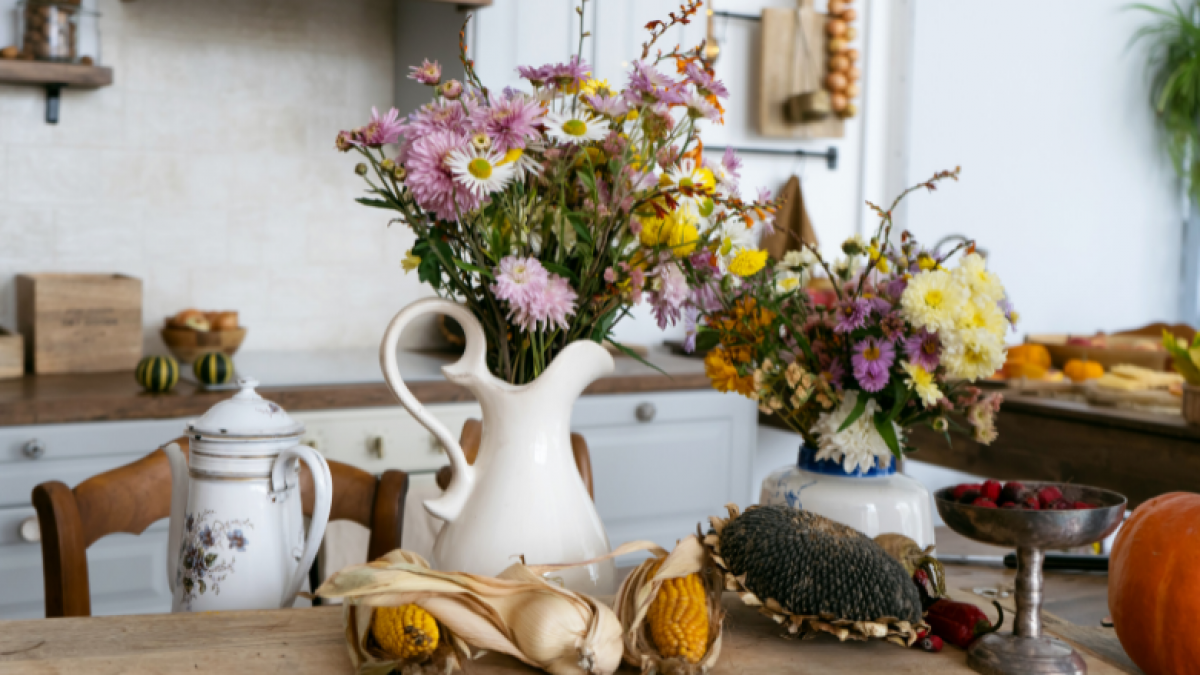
(130, 498)
(472, 436)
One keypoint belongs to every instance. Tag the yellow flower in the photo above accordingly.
(973, 354)
(973, 272)
(512, 156)
(982, 313)
(594, 87)
(652, 229)
(680, 233)
(933, 300)
(926, 262)
(724, 375)
(921, 381)
(410, 261)
(748, 263)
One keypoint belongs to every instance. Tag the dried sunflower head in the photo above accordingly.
(814, 575)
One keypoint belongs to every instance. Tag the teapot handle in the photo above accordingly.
(285, 468)
(470, 371)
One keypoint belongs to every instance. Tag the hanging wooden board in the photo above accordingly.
(787, 68)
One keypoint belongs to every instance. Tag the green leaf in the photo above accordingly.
(203, 586)
(902, 393)
(376, 203)
(581, 230)
(860, 406)
(430, 271)
(883, 424)
(210, 559)
(707, 340)
(588, 179)
(629, 352)
(562, 271)
(473, 268)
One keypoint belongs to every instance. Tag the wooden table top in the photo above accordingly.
(309, 641)
(344, 381)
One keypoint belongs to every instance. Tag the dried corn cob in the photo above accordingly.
(407, 631)
(670, 607)
(678, 617)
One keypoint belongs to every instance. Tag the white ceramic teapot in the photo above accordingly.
(237, 531)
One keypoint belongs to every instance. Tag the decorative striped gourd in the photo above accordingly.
(157, 373)
(213, 368)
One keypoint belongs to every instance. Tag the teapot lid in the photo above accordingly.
(246, 416)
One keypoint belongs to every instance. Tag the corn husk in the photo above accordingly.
(639, 590)
(890, 628)
(517, 613)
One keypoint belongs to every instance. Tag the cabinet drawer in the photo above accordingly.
(10, 526)
(62, 441)
(377, 439)
(18, 480)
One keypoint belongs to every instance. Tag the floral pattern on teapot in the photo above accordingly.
(206, 554)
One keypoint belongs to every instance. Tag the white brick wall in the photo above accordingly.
(208, 169)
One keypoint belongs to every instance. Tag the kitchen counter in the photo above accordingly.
(319, 380)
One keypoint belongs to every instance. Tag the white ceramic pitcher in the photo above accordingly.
(237, 537)
(524, 496)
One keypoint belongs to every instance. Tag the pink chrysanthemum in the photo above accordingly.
(431, 180)
(672, 293)
(872, 360)
(442, 115)
(426, 73)
(510, 121)
(536, 299)
(382, 130)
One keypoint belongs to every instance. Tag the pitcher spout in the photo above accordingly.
(574, 368)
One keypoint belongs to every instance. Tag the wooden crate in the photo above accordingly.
(12, 355)
(78, 323)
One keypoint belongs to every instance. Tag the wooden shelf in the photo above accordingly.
(45, 73)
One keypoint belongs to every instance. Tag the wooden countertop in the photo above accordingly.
(296, 381)
(303, 641)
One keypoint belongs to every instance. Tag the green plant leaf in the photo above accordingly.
(629, 352)
(860, 406)
(883, 424)
(376, 203)
(562, 271)
(707, 340)
(473, 268)
(581, 230)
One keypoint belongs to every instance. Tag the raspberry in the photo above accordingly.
(1048, 495)
(984, 502)
(991, 490)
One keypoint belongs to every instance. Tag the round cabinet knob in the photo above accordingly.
(30, 530)
(34, 449)
(376, 446)
(645, 412)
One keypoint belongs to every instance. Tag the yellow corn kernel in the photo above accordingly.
(678, 617)
(407, 631)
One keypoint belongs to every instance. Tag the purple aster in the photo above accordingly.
(732, 163)
(442, 115)
(704, 81)
(536, 76)
(426, 73)
(690, 315)
(1009, 312)
(872, 359)
(432, 182)
(876, 303)
(699, 107)
(381, 131)
(924, 349)
(892, 325)
(648, 82)
(570, 74)
(613, 106)
(832, 372)
(851, 315)
(895, 287)
(509, 121)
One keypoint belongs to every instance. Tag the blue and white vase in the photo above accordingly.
(874, 502)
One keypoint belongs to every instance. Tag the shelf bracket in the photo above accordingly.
(53, 99)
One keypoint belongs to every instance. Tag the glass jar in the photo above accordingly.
(49, 30)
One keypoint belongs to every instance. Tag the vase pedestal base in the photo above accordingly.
(1008, 654)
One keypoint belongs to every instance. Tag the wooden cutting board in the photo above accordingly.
(788, 68)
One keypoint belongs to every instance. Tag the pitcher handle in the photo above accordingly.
(285, 468)
(180, 484)
(469, 370)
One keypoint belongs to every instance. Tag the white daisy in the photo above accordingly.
(581, 127)
(734, 237)
(481, 171)
(687, 174)
(526, 161)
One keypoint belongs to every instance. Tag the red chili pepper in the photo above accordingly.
(960, 623)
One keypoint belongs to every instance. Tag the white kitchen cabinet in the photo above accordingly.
(662, 463)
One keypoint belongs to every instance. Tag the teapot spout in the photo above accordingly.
(180, 484)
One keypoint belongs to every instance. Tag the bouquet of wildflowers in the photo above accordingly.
(551, 211)
(906, 336)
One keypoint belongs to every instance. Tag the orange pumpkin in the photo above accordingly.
(1154, 585)
(1030, 353)
(1081, 371)
(1015, 370)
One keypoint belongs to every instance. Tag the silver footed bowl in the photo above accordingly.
(1019, 528)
